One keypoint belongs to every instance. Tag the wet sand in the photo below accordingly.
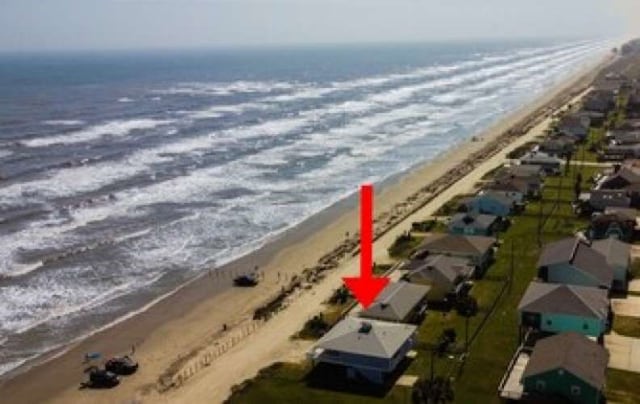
(180, 341)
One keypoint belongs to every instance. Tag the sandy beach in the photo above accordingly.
(180, 339)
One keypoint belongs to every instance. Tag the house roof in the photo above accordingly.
(396, 301)
(573, 353)
(473, 220)
(509, 184)
(441, 269)
(497, 196)
(357, 336)
(604, 197)
(615, 251)
(580, 255)
(565, 299)
(571, 123)
(534, 158)
(628, 174)
(629, 214)
(521, 171)
(439, 243)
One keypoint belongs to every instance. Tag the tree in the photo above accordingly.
(436, 391)
(577, 187)
(467, 307)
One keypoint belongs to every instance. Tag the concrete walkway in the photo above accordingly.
(634, 285)
(629, 306)
(624, 352)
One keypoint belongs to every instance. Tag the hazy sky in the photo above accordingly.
(120, 24)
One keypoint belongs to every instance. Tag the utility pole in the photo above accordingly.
(512, 267)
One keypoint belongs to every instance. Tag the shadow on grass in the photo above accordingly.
(331, 377)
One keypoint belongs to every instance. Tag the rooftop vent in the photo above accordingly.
(365, 328)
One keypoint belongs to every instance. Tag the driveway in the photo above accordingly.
(629, 306)
(634, 285)
(624, 352)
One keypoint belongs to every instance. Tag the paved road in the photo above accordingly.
(624, 352)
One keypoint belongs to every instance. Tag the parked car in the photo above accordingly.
(122, 365)
(101, 378)
(246, 280)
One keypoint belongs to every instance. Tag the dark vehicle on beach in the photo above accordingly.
(101, 379)
(246, 280)
(122, 365)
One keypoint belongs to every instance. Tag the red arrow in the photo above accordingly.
(366, 287)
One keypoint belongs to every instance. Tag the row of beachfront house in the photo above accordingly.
(569, 299)
(565, 311)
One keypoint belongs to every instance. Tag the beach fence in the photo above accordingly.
(205, 357)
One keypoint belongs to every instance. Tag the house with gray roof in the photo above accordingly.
(574, 126)
(477, 249)
(400, 302)
(368, 349)
(445, 275)
(551, 165)
(598, 200)
(555, 308)
(621, 179)
(572, 261)
(624, 137)
(619, 223)
(473, 224)
(558, 146)
(513, 188)
(618, 256)
(566, 365)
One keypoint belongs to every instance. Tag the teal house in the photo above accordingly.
(556, 308)
(473, 224)
(491, 203)
(618, 256)
(573, 261)
(567, 366)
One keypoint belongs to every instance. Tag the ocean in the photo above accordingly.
(124, 175)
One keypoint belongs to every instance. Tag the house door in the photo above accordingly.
(531, 320)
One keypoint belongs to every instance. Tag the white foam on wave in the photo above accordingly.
(225, 89)
(125, 100)
(113, 128)
(370, 138)
(64, 122)
(68, 181)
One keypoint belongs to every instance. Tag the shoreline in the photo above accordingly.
(182, 313)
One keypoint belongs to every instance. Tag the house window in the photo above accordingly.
(575, 390)
(548, 322)
(585, 326)
(540, 385)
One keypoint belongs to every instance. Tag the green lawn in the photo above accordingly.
(629, 326)
(595, 141)
(623, 387)
(490, 352)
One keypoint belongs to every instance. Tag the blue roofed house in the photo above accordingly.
(367, 349)
(556, 308)
(473, 224)
(572, 261)
(618, 256)
(491, 203)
